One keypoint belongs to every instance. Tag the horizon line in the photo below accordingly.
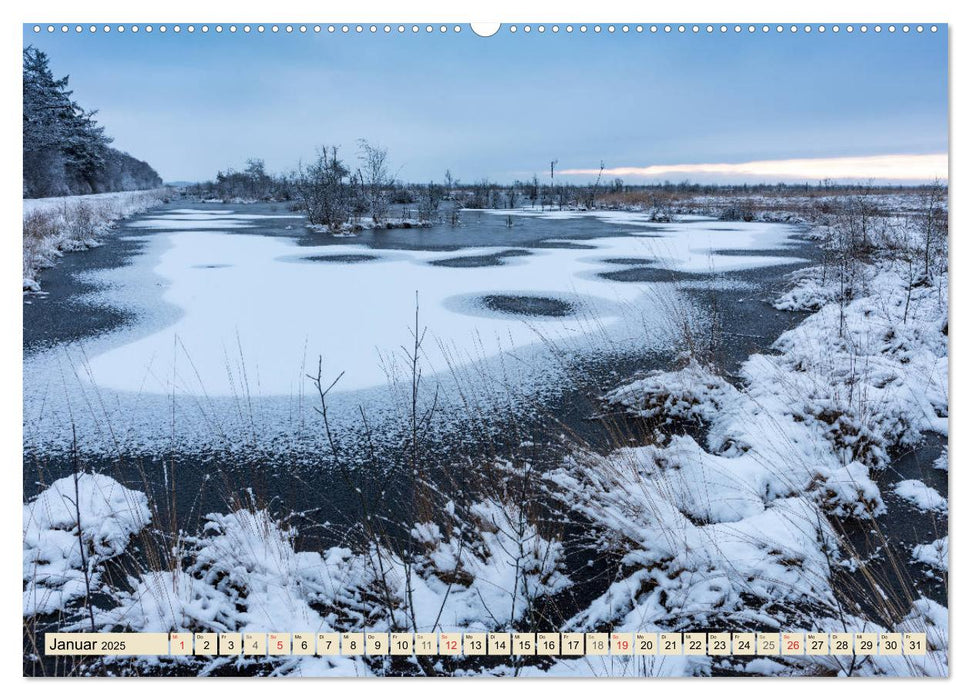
(898, 166)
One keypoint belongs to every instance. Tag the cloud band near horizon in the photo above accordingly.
(931, 166)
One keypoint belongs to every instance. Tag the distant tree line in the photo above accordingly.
(65, 149)
(335, 191)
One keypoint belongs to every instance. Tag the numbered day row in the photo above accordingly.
(486, 644)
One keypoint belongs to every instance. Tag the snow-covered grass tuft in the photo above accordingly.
(732, 506)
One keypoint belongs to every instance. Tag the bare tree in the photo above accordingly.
(323, 188)
(374, 178)
(429, 199)
(933, 224)
(552, 170)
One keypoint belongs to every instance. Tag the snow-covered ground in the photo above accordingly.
(56, 204)
(248, 315)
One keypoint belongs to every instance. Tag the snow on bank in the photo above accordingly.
(722, 535)
(54, 561)
(350, 228)
(722, 519)
(59, 204)
(485, 567)
(875, 368)
(55, 225)
(733, 528)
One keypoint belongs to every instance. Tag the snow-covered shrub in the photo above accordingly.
(54, 563)
(490, 573)
(692, 393)
(848, 492)
(240, 573)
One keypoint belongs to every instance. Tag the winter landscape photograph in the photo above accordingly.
(632, 329)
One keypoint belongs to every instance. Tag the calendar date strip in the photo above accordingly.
(563, 644)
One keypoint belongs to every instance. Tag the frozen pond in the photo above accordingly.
(227, 310)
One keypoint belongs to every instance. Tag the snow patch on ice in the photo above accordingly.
(934, 554)
(920, 495)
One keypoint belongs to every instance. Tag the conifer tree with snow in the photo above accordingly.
(66, 151)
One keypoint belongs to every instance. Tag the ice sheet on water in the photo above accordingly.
(274, 307)
(934, 554)
(247, 315)
(174, 223)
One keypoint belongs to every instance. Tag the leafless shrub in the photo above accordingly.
(323, 187)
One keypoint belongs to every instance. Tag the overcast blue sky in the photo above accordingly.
(504, 106)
